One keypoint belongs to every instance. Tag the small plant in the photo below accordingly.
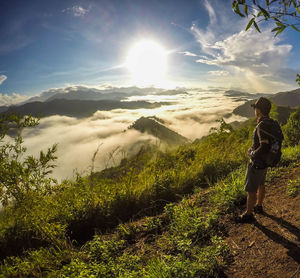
(293, 187)
(152, 223)
(128, 231)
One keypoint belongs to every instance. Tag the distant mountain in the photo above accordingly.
(76, 108)
(77, 93)
(3, 108)
(88, 93)
(289, 99)
(171, 92)
(153, 126)
(234, 93)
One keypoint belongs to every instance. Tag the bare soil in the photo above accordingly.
(269, 247)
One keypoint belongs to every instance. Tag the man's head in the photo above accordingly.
(262, 106)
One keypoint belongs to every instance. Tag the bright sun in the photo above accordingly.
(147, 62)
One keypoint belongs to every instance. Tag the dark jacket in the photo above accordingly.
(259, 149)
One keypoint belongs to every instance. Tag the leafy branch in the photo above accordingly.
(19, 174)
(283, 13)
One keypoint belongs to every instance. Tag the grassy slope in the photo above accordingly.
(182, 240)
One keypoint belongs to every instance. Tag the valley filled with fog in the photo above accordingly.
(189, 112)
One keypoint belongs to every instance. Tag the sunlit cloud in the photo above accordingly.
(187, 53)
(245, 57)
(218, 72)
(80, 138)
(7, 100)
(211, 12)
(2, 78)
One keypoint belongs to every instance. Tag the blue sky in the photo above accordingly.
(50, 44)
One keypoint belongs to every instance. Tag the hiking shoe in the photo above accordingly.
(258, 209)
(246, 218)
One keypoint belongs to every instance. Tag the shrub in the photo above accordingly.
(292, 129)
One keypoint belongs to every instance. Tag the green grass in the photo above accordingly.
(99, 202)
(190, 246)
(293, 187)
(190, 188)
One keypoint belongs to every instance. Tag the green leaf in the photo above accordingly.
(276, 29)
(246, 9)
(250, 23)
(279, 31)
(234, 4)
(237, 10)
(268, 3)
(280, 24)
(295, 28)
(266, 14)
(256, 26)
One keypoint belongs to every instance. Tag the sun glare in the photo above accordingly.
(147, 62)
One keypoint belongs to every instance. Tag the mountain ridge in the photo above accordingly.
(289, 99)
(76, 108)
(153, 126)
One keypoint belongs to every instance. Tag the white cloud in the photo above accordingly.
(211, 12)
(77, 11)
(218, 72)
(78, 140)
(7, 100)
(208, 35)
(254, 61)
(187, 53)
(256, 66)
(237, 50)
(2, 78)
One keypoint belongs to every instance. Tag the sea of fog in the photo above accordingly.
(190, 113)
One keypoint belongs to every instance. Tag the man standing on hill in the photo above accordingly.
(257, 167)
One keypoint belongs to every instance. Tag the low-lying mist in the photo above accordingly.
(192, 115)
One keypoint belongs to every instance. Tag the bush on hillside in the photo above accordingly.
(21, 175)
(292, 129)
(24, 183)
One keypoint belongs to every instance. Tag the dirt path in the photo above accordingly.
(271, 246)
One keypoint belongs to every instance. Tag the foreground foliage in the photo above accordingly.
(77, 228)
(293, 187)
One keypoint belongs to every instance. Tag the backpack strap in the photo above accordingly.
(266, 131)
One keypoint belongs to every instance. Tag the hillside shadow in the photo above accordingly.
(293, 248)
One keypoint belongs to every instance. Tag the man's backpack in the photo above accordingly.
(274, 154)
